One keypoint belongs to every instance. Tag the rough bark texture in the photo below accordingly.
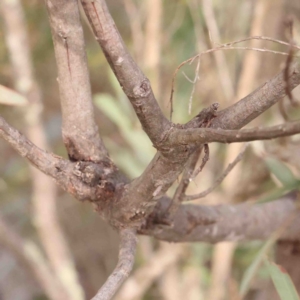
(96, 178)
(242, 222)
(132, 80)
(80, 132)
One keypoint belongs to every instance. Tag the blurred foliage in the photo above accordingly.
(282, 282)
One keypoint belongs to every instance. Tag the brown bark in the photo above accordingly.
(229, 222)
(133, 82)
(79, 130)
(131, 203)
(139, 204)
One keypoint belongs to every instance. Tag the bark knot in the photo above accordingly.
(142, 90)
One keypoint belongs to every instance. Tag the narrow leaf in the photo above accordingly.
(279, 192)
(253, 268)
(282, 281)
(280, 170)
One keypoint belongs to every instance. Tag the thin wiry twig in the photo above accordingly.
(125, 264)
(183, 185)
(193, 81)
(289, 62)
(199, 136)
(203, 163)
(219, 180)
(229, 46)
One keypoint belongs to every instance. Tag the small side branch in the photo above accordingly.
(184, 183)
(41, 159)
(127, 250)
(134, 83)
(205, 159)
(79, 179)
(199, 136)
(253, 105)
(220, 178)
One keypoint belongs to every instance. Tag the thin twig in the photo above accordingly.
(199, 136)
(185, 180)
(41, 159)
(193, 82)
(228, 46)
(219, 180)
(127, 250)
(203, 163)
(289, 62)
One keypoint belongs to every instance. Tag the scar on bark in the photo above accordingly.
(95, 10)
(74, 153)
(68, 54)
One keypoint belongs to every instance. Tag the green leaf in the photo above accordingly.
(279, 192)
(108, 105)
(282, 281)
(280, 170)
(135, 137)
(253, 268)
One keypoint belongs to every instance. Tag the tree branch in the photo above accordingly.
(212, 224)
(250, 107)
(219, 180)
(134, 83)
(184, 183)
(141, 194)
(41, 159)
(80, 132)
(90, 181)
(142, 278)
(125, 264)
(199, 136)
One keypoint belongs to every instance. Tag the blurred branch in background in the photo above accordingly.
(30, 257)
(44, 211)
(135, 23)
(152, 44)
(215, 38)
(223, 253)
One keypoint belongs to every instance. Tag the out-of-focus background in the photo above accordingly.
(45, 233)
